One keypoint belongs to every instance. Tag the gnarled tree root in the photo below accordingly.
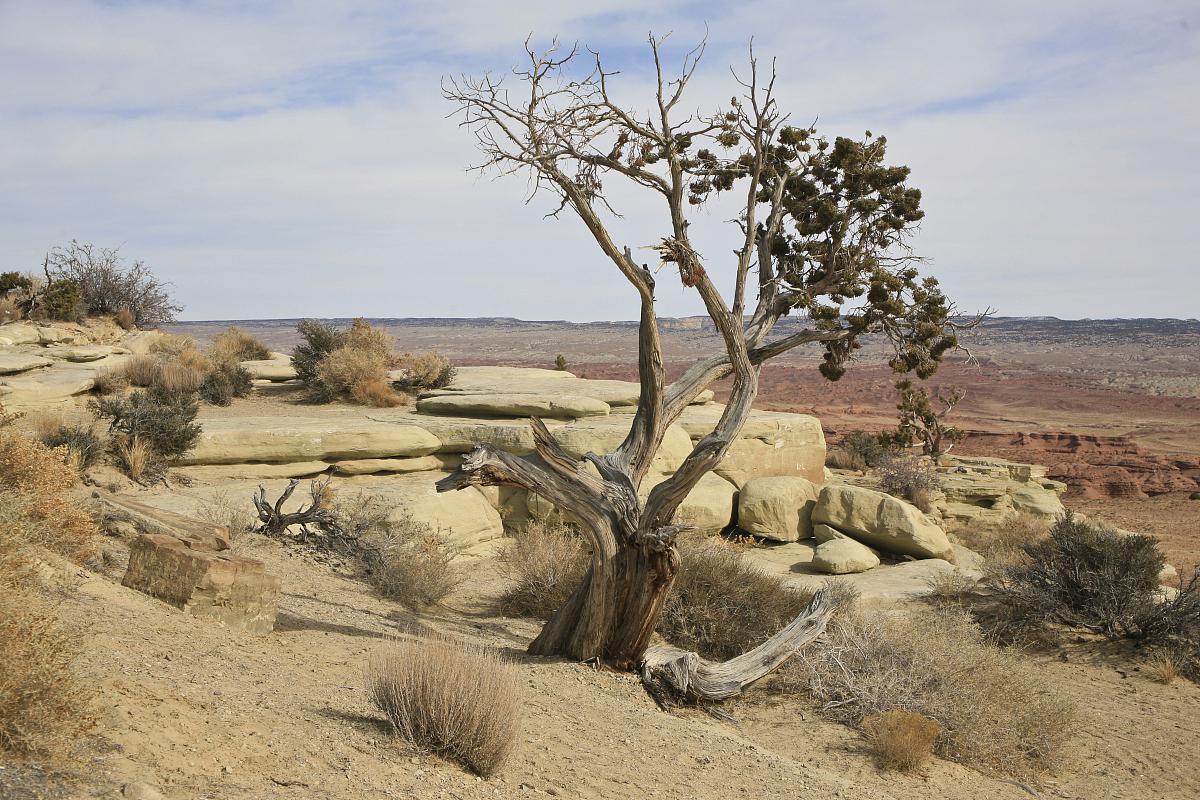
(672, 675)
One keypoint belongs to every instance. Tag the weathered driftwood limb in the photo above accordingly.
(272, 519)
(685, 675)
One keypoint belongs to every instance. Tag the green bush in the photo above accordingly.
(164, 421)
(15, 281)
(225, 381)
(61, 300)
(320, 339)
(861, 450)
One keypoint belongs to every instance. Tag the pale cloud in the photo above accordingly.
(278, 160)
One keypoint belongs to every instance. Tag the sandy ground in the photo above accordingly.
(200, 712)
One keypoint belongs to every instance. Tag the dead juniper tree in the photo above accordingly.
(820, 232)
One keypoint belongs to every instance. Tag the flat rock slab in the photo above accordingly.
(46, 386)
(233, 590)
(228, 472)
(14, 363)
(544, 383)
(561, 406)
(19, 333)
(273, 370)
(81, 354)
(240, 440)
(372, 466)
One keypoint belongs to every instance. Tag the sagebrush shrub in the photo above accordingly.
(459, 701)
(164, 422)
(996, 710)
(225, 381)
(546, 561)
(859, 450)
(355, 374)
(139, 371)
(1084, 576)
(108, 286)
(84, 446)
(319, 339)
(109, 381)
(234, 344)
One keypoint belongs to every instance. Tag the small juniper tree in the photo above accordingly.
(921, 422)
(820, 232)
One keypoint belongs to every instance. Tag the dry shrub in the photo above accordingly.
(224, 510)
(108, 285)
(125, 318)
(318, 339)
(43, 703)
(911, 478)
(546, 561)
(376, 394)
(9, 310)
(165, 421)
(192, 358)
(46, 422)
(458, 701)
(225, 381)
(140, 370)
(45, 476)
(366, 338)
(901, 740)
(348, 371)
(995, 710)
(236, 345)
(425, 371)
(722, 605)
(107, 381)
(953, 586)
(84, 446)
(409, 562)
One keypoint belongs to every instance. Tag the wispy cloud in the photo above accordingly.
(285, 159)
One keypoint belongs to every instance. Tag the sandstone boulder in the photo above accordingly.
(50, 335)
(881, 521)
(563, 406)
(230, 589)
(241, 440)
(825, 533)
(13, 363)
(273, 370)
(777, 507)
(710, 506)
(843, 556)
(544, 383)
(46, 386)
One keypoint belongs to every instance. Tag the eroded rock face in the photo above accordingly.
(240, 440)
(991, 488)
(778, 508)
(770, 444)
(882, 521)
(230, 589)
(843, 556)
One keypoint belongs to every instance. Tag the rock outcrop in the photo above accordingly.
(771, 443)
(563, 406)
(240, 440)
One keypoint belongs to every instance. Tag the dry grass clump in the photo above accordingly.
(351, 373)
(1001, 543)
(139, 371)
(458, 701)
(901, 740)
(546, 561)
(125, 318)
(996, 712)
(911, 478)
(720, 604)
(1163, 669)
(425, 371)
(137, 459)
(225, 381)
(953, 586)
(171, 344)
(179, 377)
(236, 345)
(84, 446)
(223, 510)
(108, 381)
(44, 477)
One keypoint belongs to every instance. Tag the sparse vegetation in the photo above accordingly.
(458, 701)
(355, 374)
(1002, 543)
(545, 560)
(224, 510)
(995, 710)
(901, 740)
(236, 345)
(401, 557)
(162, 421)
(9, 310)
(125, 318)
(106, 285)
(859, 450)
(913, 479)
(319, 339)
(560, 362)
(110, 381)
(84, 447)
(139, 370)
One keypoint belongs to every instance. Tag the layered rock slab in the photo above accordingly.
(240, 440)
(562, 406)
(771, 443)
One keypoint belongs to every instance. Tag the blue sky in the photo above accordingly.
(295, 159)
